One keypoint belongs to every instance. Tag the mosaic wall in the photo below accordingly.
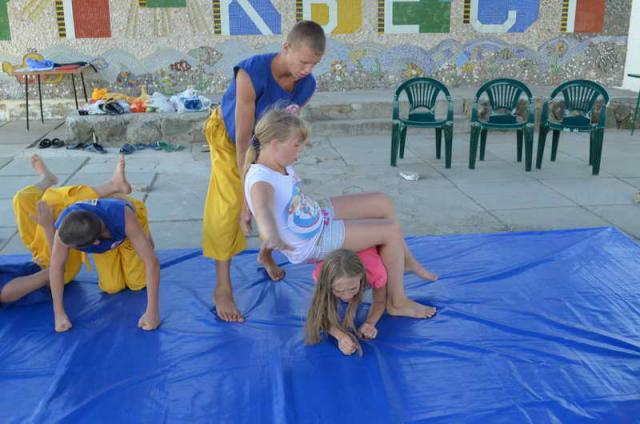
(170, 45)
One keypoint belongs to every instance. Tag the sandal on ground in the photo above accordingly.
(141, 146)
(127, 149)
(169, 147)
(95, 148)
(44, 143)
(57, 143)
(76, 146)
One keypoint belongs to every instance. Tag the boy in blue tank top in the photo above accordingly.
(116, 231)
(259, 83)
(60, 224)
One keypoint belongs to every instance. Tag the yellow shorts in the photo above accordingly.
(222, 237)
(121, 267)
(117, 268)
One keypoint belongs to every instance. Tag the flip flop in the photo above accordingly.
(170, 147)
(57, 143)
(141, 146)
(44, 143)
(76, 146)
(127, 149)
(95, 148)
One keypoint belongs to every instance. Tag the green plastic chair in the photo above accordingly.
(579, 97)
(503, 98)
(422, 94)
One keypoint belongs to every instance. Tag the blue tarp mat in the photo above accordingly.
(532, 328)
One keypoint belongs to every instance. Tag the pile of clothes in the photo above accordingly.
(104, 102)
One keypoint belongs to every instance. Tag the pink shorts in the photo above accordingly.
(373, 265)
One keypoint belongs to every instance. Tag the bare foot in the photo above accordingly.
(422, 272)
(48, 178)
(226, 306)
(409, 308)
(275, 272)
(119, 178)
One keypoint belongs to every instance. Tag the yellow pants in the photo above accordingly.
(121, 267)
(222, 237)
(117, 268)
(33, 235)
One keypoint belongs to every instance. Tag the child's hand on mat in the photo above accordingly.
(346, 345)
(245, 220)
(44, 215)
(149, 321)
(62, 322)
(368, 331)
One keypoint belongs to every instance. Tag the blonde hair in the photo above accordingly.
(276, 124)
(323, 312)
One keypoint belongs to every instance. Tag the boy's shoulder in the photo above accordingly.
(258, 60)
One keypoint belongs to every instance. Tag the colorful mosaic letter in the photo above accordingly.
(245, 17)
(335, 16)
(413, 16)
(501, 15)
(5, 34)
(166, 3)
(83, 18)
(582, 16)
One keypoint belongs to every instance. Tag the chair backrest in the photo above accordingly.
(422, 92)
(580, 95)
(504, 93)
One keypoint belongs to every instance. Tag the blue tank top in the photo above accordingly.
(268, 91)
(111, 212)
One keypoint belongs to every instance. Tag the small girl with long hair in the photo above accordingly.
(306, 230)
(344, 276)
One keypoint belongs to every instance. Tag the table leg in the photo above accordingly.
(84, 87)
(635, 114)
(40, 97)
(26, 97)
(75, 93)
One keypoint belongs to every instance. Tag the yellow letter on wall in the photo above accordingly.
(335, 16)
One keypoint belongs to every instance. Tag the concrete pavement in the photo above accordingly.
(497, 196)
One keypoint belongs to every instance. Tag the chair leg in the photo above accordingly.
(519, 146)
(528, 148)
(542, 139)
(403, 138)
(599, 141)
(591, 146)
(635, 115)
(438, 142)
(483, 143)
(473, 146)
(554, 145)
(448, 145)
(394, 145)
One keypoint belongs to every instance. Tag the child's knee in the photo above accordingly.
(112, 289)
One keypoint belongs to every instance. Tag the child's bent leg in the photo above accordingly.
(24, 207)
(118, 182)
(376, 205)
(265, 257)
(111, 278)
(21, 286)
(362, 234)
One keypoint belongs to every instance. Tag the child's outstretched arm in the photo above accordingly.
(262, 199)
(150, 320)
(59, 255)
(368, 328)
